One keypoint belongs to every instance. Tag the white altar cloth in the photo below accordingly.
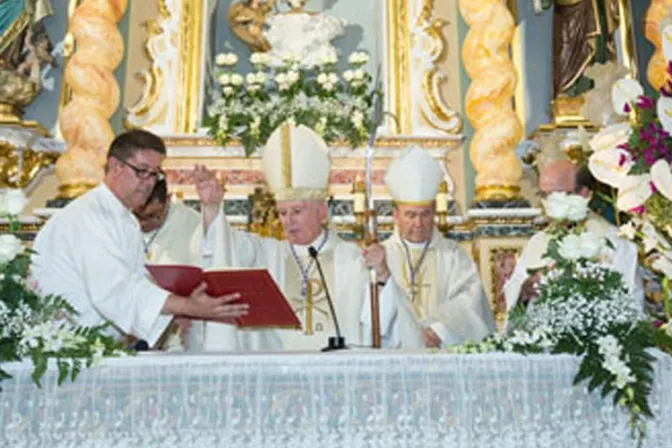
(347, 399)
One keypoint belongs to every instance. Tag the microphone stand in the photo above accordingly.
(334, 342)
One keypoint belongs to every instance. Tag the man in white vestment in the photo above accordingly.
(91, 251)
(564, 176)
(167, 226)
(296, 164)
(442, 286)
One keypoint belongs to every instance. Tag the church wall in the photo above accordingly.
(468, 172)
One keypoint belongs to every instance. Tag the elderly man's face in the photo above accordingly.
(557, 178)
(415, 222)
(302, 220)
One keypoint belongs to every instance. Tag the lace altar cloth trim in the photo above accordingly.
(358, 399)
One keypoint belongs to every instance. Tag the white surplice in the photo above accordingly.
(347, 280)
(622, 258)
(91, 253)
(445, 293)
(171, 243)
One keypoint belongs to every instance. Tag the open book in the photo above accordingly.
(268, 306)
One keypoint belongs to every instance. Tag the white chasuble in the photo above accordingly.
(347, 280)
(442, 291)
(171, 243)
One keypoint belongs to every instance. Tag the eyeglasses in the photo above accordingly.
(143, 173)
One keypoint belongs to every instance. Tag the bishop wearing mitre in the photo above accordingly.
(296, 164)
(443, 289)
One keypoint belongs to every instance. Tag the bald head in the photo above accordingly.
(560, 176)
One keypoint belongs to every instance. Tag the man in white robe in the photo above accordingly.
(296, 164)
(564, 176)
(441, 283)
(91, 251)
(167, 226)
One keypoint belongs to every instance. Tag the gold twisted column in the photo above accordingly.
(489, 98)
(92, 93)
(659, 11)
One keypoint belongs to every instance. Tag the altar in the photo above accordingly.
(347, 399)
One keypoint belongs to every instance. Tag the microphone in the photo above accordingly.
(337, 342)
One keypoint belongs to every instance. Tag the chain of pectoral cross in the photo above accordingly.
(413, 270)
(306, 271)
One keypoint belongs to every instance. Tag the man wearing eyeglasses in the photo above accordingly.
(91, 252)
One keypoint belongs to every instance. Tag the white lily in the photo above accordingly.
(611, 136)
(636, 189)
(611, 166)
(664, 111)
(625, 91)
(661, 175)
(666, 37)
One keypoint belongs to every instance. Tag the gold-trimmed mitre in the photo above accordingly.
(414, 177)
(296, 164)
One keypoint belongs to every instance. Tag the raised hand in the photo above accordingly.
(208, 186)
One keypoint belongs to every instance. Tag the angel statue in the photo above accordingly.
(246, 20)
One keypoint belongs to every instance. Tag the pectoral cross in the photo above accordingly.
(415, 290)
(314, 288)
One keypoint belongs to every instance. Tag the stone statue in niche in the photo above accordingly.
(24, 48)
(246, 20)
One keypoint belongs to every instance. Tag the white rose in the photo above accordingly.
(292, 76)
(14, 201)
(359, 74)
(227, 91)
(258, 58)
(281, 78)
(348, 75)
(224, 79)
(236, 79)
(251, 78)
(591, 245)
(578, 207)
(221, 59)
(327, 86)
(570, 247)
(322, 78)
(231, 59)
(556, 206)
(10, 247)
(253, 88)
(333, 78)
(261, 77)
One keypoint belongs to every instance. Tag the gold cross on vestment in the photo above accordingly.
(309, 305)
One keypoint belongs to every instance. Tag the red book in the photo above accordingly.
(268, 306)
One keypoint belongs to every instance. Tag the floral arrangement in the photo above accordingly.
(585, 309)
(35, 326)
(250, 107)
(633, 157)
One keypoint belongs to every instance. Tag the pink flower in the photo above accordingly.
(640, 210)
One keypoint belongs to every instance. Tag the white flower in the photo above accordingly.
(223, 122)
(591, 244)
(358, 58)
(10, 247)
(259, 59)
(227, 91)
(221, 59)
(661, 176)
(13, 203)
(253, 88)
(322, 78)
(348, 75)
(611, 136)
(663, 264)
(664, 112)
(628, 230)
(570, 247)
(359, 74)
(357, 118)
(561, 206)
(224, 79)
(329, 58)
(611, 166)
(333, 78)
(636, 189)
(666, 37)
(236, 79)
(625, 91)
(292, 76)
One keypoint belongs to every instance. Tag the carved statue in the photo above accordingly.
(246, 19)
(302, 34)
(264, 220)
(583, 33)
(24, 48)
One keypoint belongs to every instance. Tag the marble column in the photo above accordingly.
(93, 94)
(488, 101)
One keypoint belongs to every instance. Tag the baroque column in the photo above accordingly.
(489, 98)
(657, 16)
(93, 94)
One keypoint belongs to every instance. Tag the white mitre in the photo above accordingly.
(414, 177)
(296, 164)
